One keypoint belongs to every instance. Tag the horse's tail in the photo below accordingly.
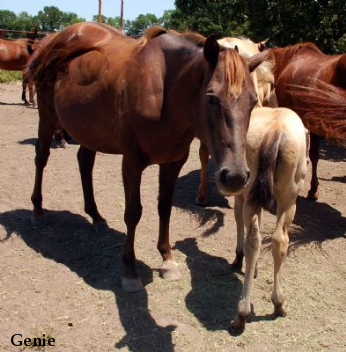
(262, 190)
(31, 41)
(54, 58)
(327, 112)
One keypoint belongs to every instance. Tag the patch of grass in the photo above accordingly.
(43, 333)
(10, 76)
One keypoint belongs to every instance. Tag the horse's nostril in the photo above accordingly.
(248, 174)
(223, 176)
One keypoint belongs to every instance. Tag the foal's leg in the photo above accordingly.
(31, 87)
(286, 211)
(132, 174)
(168, 177)
(314, 154)
(202, 189)
(252, 243)
(86, 160)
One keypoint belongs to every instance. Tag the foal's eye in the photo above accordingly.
(211, 99)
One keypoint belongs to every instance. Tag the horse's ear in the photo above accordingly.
(236, 49)
(211, 50)
(262, 45)
(255, 60)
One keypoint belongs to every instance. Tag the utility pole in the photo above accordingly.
(100, 11)
(122, 15)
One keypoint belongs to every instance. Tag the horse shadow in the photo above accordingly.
(215, 289)
(331, 151)
(315, 223)
(71, 240)
(186, 192)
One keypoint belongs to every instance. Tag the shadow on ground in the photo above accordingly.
(71, 240)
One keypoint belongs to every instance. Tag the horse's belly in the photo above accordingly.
(88, 113)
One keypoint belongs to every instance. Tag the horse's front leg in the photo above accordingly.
(252, 244)
(132, 175)
(202, 189)
(314, 154)
(238, 215)
(24, 87)
(168, 177)
(86, 160)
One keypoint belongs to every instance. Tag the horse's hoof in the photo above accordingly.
(201, 201)
(237, 326)
(170, 271)
(279, 311)
(63, 144)
(132, 285)
(313, 196)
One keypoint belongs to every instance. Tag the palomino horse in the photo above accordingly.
(14, 55)
(276, 155)
(306, 66)
(145, 99)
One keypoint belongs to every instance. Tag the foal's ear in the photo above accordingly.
(255, 60)
(211, 50)
(262, 45)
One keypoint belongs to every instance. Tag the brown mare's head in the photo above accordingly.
(227, 100)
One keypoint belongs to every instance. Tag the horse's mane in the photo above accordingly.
(284, 55)
(327, 109)
(234, 72)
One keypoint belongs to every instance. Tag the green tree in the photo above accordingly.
(141, 23)
(283, 22)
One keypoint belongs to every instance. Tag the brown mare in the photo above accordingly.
(324, 77)
(145, 99)
(14, 55)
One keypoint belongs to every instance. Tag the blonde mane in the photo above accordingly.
(234, 72)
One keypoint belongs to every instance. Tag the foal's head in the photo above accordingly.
(229, 96)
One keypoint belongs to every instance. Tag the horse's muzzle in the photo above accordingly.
(232, 182)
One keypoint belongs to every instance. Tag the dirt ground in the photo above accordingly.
(63, 278)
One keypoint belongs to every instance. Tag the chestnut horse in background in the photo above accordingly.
(145, 99)
(14, 55)
(313, 84)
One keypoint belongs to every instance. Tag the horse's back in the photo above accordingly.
(13, 54)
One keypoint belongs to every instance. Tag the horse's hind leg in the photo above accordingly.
(24, 87)
(86, 160)
(202, 189)
(314, 154)
(47, 126)
(132, 174)
(168, 177)
(285, 214)
(252, 244)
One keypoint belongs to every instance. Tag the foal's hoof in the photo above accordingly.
(170, 271)
(132, 285)
(279, 311)
(237, 326)
(201, 201)
(63, 144)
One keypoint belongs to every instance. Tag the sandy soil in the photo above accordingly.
(64, 277)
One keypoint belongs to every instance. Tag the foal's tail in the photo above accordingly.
(327, 113)
(54, 58)
(262, 190)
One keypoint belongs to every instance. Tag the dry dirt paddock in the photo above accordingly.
(64, 277)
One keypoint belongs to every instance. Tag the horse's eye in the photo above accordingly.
(211, 99)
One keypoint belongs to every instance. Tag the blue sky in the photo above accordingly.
(88, 8)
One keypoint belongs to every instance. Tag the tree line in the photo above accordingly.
(281, 22)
